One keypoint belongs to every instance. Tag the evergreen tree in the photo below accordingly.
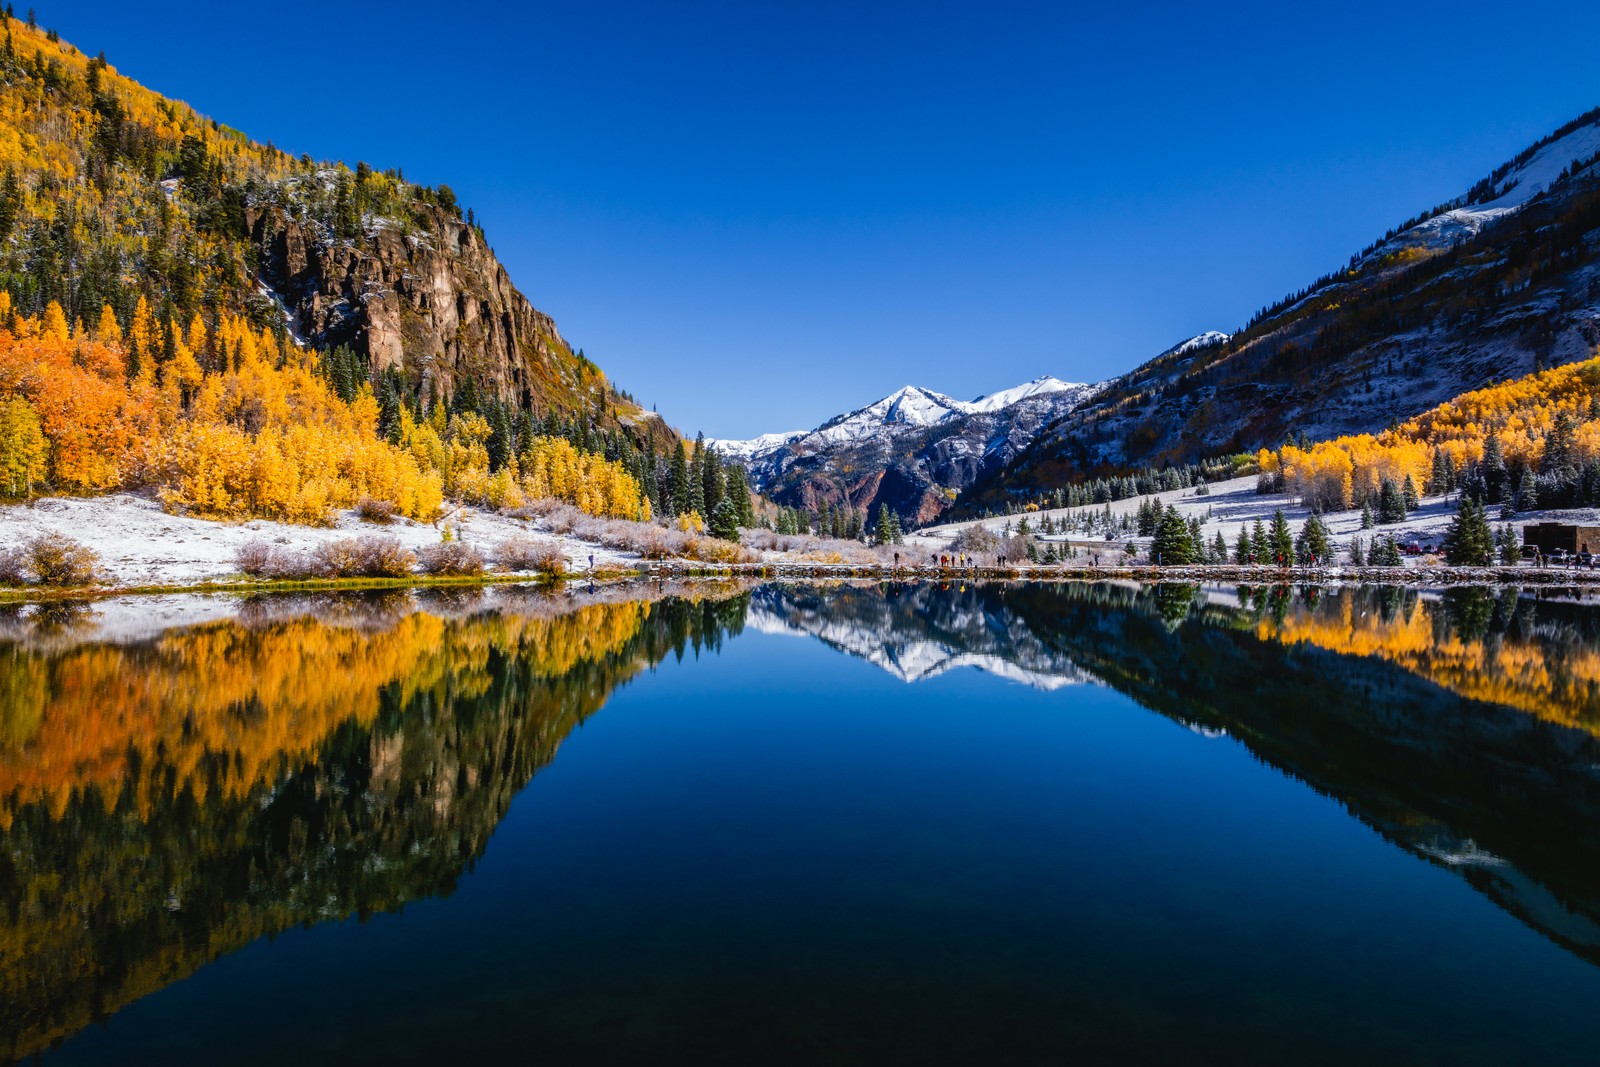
(725, 520)
(1173, 543)
(696, 476)
(1493, 469)
(1507, 539)
(1259, 544)
(1527, 496)
(1357, 557)
(1469, 542)
(1219, 550)
(678, 479)
(1408, 493)
(853, 529)
(1385, 553)
(1367, 521)
(1282, 540)
(1313, 544)
(1391, 502)
(882, 532)
(1243, 550)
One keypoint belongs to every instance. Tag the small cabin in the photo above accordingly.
(1547, 537)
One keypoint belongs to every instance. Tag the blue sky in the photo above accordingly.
(758, 215)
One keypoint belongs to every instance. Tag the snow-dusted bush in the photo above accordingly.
(451, 558)
(57, 559)
(351, 557)
(362, 557)
(256, 558)
(528, 554)
(13, 566)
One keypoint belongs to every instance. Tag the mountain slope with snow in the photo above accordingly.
(1499, 282)
(912, 450)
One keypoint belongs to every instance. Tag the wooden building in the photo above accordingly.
(1549, 536)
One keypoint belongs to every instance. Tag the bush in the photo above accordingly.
(13, 566)
(256, 558)
(362, 557)
(527, 554)
(381, 512)
(450, 558)
(59, 560)
(716, 550)
(351, 557)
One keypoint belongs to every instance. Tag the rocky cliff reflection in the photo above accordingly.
(168, 799)
(1463, 726)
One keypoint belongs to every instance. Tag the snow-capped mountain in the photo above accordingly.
(916, 634)
(912, 450)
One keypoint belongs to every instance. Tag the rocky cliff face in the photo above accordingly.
(427, 297)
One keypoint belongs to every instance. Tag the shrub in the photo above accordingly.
(716, 550)
(13, 566)
(527, 554)
(451, 558)
(59, 560)
(379, 557)
(381, 512)
(256, 558)
(350, 557)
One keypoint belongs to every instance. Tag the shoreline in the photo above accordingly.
(680, 570)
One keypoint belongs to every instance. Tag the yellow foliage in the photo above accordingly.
(1522, 412)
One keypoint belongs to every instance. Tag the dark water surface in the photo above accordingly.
(847, 825)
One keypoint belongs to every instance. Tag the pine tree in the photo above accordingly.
(725, 520)
(1493, 469)
(1408, 493)
(1357, 557)
(1244, 549)
(1313, 544)
(1367, 521)
(1219, 550)
(1527, 495)
(1385, 553)
(678, 479)
(1469, 542)
(1172, 544)
(882, 533)
(1259, 543)
(1282, 540)
(1391, 502)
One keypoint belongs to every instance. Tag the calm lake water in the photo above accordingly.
(744, 825)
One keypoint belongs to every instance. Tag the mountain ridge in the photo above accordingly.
(910, 451)
(1493, 285)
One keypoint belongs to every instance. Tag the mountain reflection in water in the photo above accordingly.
(169, 797)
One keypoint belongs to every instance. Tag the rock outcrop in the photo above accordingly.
(427, 296)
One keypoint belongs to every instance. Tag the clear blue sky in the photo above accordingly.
(757, 215)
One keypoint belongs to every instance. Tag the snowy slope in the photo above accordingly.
(1520, 185)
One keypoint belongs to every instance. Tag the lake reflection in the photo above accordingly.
(773, 850)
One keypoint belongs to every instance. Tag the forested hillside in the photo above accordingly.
(1500, 283)
(248, 332)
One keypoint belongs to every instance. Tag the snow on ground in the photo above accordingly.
(139, 544)
(1519, 186)
(1234, 504)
